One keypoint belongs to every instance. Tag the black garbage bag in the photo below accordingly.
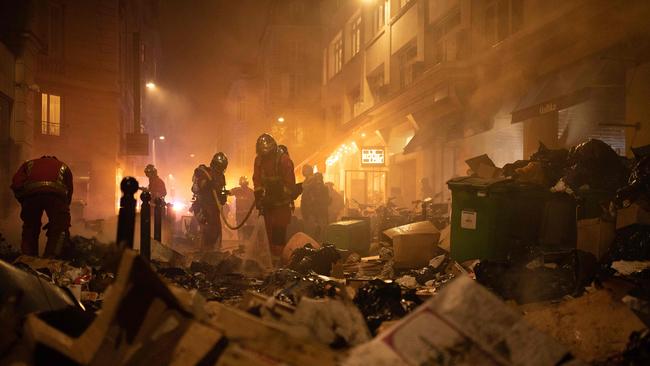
(596, 164)
(638, 188)
(307, 259)
(553, 162)
(637, 351)
(208, 281)
(566, 275)
(290, 286)
(379, 301)
(509, 170)
(81, 251)
(632, 243)
(7, 252)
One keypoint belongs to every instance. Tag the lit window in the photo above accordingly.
(50, 114)
(338, 54)
(355, 36)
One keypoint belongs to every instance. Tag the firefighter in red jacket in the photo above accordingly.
(275, 183)
(208, 186)
(44, 184)
(156, 185)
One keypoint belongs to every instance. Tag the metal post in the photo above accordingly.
(126, 218)
(145, 226)
(157, 218)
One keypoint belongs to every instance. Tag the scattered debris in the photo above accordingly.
(551, 278)
(463, 324)
(580, 324)
(308, 259)
(380, 301)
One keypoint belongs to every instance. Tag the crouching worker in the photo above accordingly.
(44, 185)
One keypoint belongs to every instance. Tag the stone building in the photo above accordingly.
(65, 74)
(413, 88)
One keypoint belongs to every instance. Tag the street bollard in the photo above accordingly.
(126, 218)
(425, 208)
(145, 226)
(157, 218)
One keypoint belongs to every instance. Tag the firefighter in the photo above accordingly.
(208, 186)
(244, 199)
(275, 183)
(319, 203)
(308, 174)
(156, 185)
(44, 184)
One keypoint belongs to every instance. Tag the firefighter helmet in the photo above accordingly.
(266, 144)
(283, 149)
(150, 170)
(243, 181)
(219, 162)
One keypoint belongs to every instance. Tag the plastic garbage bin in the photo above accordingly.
(480, 218)
(353, 235)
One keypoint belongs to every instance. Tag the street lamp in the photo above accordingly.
(153, 148)
(150, 85)
(280, 119)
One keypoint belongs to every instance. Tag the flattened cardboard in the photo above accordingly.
(632, 215)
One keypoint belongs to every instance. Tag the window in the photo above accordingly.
(449, 41)
(325, 66)
(355, 36)
(241, 109)
(295, 51)
(55, 31)
(338, 54)
(296, 10)
(354, 97)
(295, 85)
(502, 19)
(379, 16)
(409, 68)
(50, 114)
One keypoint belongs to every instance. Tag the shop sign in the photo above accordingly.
(373, 156)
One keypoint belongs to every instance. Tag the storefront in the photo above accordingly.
(584, 100)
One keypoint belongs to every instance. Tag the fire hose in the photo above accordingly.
(223, 216)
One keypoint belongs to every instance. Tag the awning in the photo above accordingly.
(432, 130)
(421, 138)
(565, 88)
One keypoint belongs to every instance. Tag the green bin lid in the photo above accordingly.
(477, 183)
(347, 222)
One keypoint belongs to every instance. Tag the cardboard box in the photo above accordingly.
(632, 215)
(483, 167)
(414, 245)
(595, 236)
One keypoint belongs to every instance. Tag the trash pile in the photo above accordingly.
(539, 285)
(568, 240)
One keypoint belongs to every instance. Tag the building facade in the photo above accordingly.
(413, 88)
(287, 76)
(67, 98)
